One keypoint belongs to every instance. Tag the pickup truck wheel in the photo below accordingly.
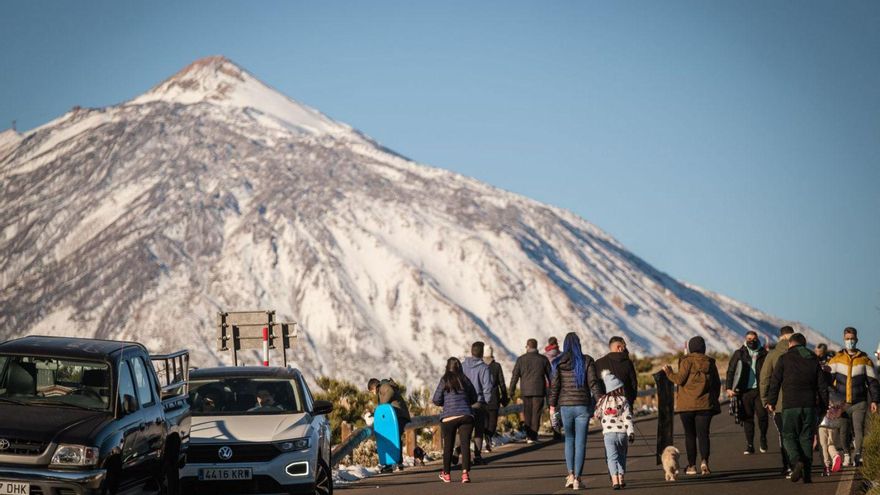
(323, 479)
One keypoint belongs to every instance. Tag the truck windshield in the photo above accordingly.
(244, 396)
(55, 381)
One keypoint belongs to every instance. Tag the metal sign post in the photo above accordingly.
(255, 330)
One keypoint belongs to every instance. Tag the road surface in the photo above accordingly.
(540, 469)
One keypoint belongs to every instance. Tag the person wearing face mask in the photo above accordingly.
(855, 378)
(534, 371)
(743, 377)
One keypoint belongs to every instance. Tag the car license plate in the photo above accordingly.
(14, 488)
(224, 474)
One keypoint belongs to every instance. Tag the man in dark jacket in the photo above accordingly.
(618, 363)
(534, 370)
(499, 396)
(743, 380)
(799, 376)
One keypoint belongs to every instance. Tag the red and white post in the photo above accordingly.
(265, 346)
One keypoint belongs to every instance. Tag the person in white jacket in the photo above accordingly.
(617, 427)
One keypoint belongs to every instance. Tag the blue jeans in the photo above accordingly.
(616, 445)
(575, 420)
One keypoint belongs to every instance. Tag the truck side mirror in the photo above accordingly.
(321, 407)
(128, 404)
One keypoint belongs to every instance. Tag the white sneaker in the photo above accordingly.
(569, 481)
(846, 459)
(576, 484)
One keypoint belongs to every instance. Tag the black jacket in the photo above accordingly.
(563, 388)
(743, 357)
(619, 364)
(801, 380)
(499, 395)
(534, 370)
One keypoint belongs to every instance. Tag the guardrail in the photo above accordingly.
(350, 442)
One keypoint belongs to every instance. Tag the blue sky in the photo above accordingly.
(735, 145)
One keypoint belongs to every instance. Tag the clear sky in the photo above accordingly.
(735, 145)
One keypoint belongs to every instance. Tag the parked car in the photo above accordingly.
(257, 430)
(85, 416)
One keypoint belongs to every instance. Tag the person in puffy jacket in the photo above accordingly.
(854, 377)
(698, 389)
(456, 395)
(574, 389)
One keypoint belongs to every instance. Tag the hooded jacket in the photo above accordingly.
(499, 391)
(698, 382)
(534, 370)
(742, 359)
(799, 374)
(621, 366)
(563, 388)
(854, 377)
(767, 371)
(477, 372)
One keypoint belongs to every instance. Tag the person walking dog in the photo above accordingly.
(699, 388)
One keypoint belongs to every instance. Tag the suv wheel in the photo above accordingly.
(323, 478)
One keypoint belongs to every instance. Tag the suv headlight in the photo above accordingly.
(75, 455)
(294, 445)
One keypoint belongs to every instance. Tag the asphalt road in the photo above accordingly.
(540, 469)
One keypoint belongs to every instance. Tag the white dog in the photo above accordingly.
(669, 458)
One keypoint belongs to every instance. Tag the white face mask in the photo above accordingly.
(850, 344)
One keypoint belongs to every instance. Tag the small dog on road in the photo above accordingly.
(669, 458)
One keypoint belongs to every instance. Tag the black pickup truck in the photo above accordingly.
(85, 416)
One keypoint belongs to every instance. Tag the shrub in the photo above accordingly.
(871, 454)
(349, 403)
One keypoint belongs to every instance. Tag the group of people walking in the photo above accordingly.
(811, 396)
(574, 386)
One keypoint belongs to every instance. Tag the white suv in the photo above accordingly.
(256, 430)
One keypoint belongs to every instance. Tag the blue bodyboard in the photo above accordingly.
(387, 431)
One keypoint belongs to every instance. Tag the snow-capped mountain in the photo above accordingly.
(215, 192)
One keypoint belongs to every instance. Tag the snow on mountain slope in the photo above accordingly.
(214, 192)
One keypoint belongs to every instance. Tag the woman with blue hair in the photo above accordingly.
(574, 388)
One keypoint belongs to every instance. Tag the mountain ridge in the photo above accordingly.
(144, 219)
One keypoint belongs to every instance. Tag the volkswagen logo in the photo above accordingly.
(4, 444)
(225, 453)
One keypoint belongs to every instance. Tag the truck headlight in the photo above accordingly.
(75, 455)
(294, 445)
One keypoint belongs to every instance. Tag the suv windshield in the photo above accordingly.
(245, 396)
(56, 381)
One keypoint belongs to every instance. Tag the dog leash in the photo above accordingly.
(642, 436)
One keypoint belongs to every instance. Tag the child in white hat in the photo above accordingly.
(617, 427)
